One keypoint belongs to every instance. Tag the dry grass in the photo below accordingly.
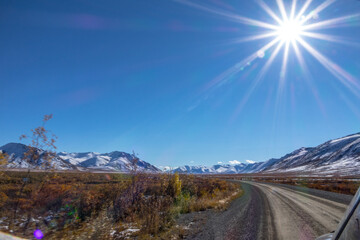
(337, 185)
(104, 206)
(345, 185)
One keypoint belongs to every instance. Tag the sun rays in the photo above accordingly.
(290, 32)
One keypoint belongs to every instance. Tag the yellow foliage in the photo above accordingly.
(177, 185)
(3, 198)
(3, 158)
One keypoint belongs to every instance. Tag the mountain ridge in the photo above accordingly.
(114, 161)
(339, 156)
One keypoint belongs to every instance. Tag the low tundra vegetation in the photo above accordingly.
(83, 205)
(335, 184)
(338, 184)
(105, 206)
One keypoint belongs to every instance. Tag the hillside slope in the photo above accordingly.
(339, 156)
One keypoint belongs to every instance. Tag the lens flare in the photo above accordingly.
(38, 234)
(290, 31)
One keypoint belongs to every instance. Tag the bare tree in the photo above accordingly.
(41, 147)
(40, 151)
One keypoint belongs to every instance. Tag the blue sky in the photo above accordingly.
(135, 75)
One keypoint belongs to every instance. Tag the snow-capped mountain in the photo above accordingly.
(340, 156)
(219, 168)
(193, 169)
(114, 161)
(16, 151)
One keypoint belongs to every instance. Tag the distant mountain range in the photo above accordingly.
(114, 161)
(340, 156)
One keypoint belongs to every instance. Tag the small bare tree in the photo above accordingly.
(40, 151)
(41, 147)
(134, 177)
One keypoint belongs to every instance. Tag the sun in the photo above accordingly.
(289, 30)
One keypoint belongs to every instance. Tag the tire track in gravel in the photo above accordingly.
(247, 218)
(273, 211)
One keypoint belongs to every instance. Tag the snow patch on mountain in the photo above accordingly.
(340, 156)
(17, 159)
(357, 135)
(113, 161)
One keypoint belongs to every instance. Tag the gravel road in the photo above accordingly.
(274, 211)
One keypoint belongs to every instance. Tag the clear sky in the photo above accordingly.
(153, 76)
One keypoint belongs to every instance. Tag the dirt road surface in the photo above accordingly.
(274, 211)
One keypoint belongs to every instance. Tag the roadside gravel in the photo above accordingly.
(270, 211)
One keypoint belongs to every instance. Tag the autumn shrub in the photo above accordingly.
(156, 214)
(69, 201)
(51, 196)
(3, 199)
(336, 184)
(126, 203)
